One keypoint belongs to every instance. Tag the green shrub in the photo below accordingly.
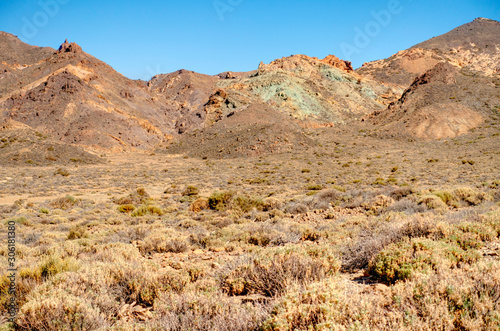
(246, 204)
(147, 210)
(126, 208)
(220, 200)
(400, 261)
(191, 191)
(379, 181)
(50, 266)
(62, 172)
(21, 220)
(315, 187)
(463, 197)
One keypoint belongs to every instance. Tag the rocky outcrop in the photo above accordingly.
(338, 63)
(67, 47)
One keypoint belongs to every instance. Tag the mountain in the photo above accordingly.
(442, 103)
(77, 99)
(74, 98)
(313, 91)
(474, 46)
(81, 106)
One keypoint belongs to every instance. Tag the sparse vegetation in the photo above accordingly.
(259, 243)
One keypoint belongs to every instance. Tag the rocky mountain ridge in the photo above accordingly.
(429, 91)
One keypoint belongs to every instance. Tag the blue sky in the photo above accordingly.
(140, 39)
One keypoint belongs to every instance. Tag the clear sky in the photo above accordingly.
(143, 38)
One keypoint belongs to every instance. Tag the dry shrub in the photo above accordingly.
(420, 227)
(268, 234)
(103, 287)
(463, 197)
(271, 204)
(64, 203)
(357, 198)
(408, 206)
(325, 198)
(240, 204)
(200, 237)
(271, 275)
(133, 233)
(369, 244)
(378, 204)
(4, 291)
(77, 232)
(158, 243)
(261, 234)
(472, 235)
(357, 255)
(140, 196)
(470, 196)
(401, 192)
(145, 286)
(465, 298)
(207, 311)
(296, 208)
(433, 202)
(199, 205)
(61, 171)
(316, 307)
(59, 311)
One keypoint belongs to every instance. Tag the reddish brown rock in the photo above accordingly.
(67, 47)
(338, 63)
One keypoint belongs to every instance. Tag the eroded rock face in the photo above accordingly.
(67, 47)
(338, 63)
(303, 64)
